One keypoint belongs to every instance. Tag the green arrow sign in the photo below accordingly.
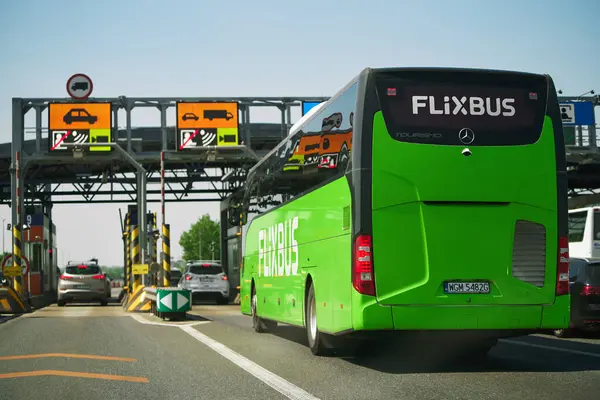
(173, 300)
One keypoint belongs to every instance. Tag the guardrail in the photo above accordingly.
(169, 302)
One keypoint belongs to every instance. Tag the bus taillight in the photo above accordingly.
(363, 277)
(562, 270)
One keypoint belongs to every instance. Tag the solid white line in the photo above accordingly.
(284, 387)
(144, 321)
(541, 346)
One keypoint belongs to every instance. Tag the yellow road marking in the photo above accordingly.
(66, 355)
(52, 372)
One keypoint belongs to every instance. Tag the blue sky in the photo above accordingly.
(266, 48)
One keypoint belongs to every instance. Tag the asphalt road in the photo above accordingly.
(103, 353)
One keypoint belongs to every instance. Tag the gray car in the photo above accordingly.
(83, 282)
(206, 280)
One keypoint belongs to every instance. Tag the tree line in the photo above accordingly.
(202, 241)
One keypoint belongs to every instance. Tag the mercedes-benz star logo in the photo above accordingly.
(466, 136)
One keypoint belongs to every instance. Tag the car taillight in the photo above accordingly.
(188, 277)
(64, 277)
(590, 291)
(99, 276)
(363, 277)
(224, 277)
(562, 270)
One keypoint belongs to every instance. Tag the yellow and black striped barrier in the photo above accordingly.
(166, 249)
(11, 302)
(17, 253)
(136, 280)
(127, 261)
(128, 250)
(154, 256)
(138, 301)
(134, 258)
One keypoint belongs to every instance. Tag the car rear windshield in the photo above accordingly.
(175, 273)
(206, 269)
(82, 269)
(475, 108)
(593, 274)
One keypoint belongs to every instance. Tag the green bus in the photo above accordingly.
(442, 207)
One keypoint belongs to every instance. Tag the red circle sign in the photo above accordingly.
(27, 265)
(80, 86)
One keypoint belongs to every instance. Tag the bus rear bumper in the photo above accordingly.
(493, 317)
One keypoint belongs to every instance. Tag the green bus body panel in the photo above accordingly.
(324, 254)
(409, 268)
(418, 246)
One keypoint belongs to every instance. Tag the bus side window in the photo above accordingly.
(577, 226)
(596, 227)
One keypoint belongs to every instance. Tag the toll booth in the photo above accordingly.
(40, 248)
(231, 242)
(129, 222)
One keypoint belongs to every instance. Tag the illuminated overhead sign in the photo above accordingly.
(79, 123)
(207, 124)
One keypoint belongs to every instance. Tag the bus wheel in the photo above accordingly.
(258, 323)
(316, 340)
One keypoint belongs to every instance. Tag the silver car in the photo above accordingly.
(206, 280)
(83, 282)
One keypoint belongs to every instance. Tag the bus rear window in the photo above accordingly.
(596, 224)
(577, 226)
(475, 108)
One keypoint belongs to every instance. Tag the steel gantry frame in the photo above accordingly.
(114, 186)
(124, 174)
(124, 170)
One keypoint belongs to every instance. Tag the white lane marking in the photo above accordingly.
(592, 342)
(216, 312)
(283, 386)
(143, 320)
(554, 348)
(64, 312)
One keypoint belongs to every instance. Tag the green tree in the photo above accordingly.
(204, 234)
(113, 272)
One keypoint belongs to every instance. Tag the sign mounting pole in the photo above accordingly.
(162, 187)
(162, 273)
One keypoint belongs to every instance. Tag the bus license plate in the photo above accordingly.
(467, 287)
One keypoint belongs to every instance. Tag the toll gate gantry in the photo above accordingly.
(213, 145)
